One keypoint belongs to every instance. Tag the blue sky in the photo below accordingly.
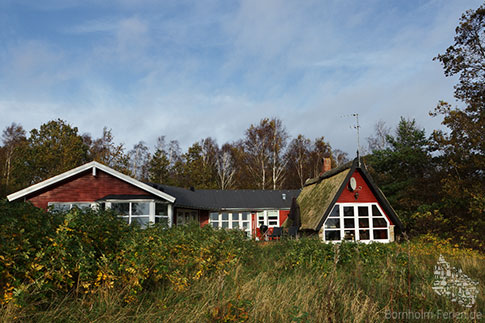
(193, 69)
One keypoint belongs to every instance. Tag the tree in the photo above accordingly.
(225, 167)
(264, 147)
(461, 150)
(159, 164)
(379, 140)
(54, 148)
(404, 169)
(196, 173)
(321, 149)
(13, 138)
(139, 158)
(107, 152)
(298, 156)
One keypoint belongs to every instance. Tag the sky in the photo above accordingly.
(193, 69)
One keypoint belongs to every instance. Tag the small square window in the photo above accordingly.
(331, 235)
(235, 216)
(379, 223)
(225, 216)
(349, 223)
(364, 234)
(363, 211)
(332, 224)
(363, 222)
(348, 211)
(380, 234)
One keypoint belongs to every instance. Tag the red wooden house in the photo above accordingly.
(95, 185)
(341, 204)
(345, 204)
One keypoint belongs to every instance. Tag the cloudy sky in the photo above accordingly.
(193, 69)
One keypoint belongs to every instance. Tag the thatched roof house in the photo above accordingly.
(345, 204)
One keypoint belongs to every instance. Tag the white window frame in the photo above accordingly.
(151, 208)
(72, 204)
(356, 228)
(230, 221)
(181, 214)
(263, 216)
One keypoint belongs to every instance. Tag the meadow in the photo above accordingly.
(91, 266)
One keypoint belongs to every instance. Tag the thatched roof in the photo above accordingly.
(317, 195)
(321, 193)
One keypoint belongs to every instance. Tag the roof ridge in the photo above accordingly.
(330, 173)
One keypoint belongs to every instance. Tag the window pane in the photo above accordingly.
(332, 235)
(363, 211)
(363, 223)
(332, 224)
(163, 220)
(225, 225)
(348, 211)
(273, 223)
(349, 223)
(140, 208)
(81, 206)
(225, 216)
(235, 216)
(245, 216)
(121, 208)
(375, 211)
(161, 209)
(245, 225)
(380, 234)
(235, 225)
(142, 221)
(60, 207)
(364, 234)
(215, 224)
(379, 223)
(349, 235)
(335, 212)
(214, 216)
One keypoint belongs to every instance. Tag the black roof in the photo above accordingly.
(229, 199)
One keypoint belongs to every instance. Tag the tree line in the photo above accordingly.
(265, 158)
(434, 181)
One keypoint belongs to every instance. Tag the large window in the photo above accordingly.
(66, 206)
(270, 218)
(356, 222)
(232, 220)
(133, 212)
(187, 216)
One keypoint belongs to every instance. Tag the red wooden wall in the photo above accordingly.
(84, 187)
(365, 194)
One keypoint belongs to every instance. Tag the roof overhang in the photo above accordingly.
(93, 166)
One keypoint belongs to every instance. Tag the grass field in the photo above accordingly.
(85, 272)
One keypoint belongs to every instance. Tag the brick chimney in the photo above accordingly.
(327, 165)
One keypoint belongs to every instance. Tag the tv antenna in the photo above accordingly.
(357, 127)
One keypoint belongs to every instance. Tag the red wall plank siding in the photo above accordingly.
(365, 193)
(283, 216)
(84, 187)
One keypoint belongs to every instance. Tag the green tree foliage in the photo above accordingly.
(54, 148)
(403, 170)
(461, 149)
(107, 152)
(199, 169)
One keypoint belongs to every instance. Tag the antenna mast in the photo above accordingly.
(357, 126)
